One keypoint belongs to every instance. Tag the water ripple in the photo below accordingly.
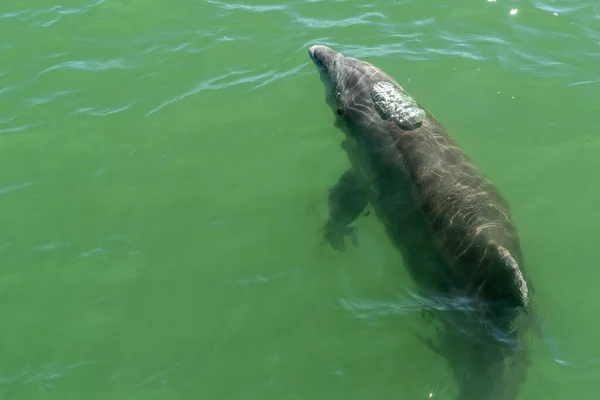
(47, 24)
(536, 64)
(60, 10)
(50, 97)
(50, 246)
(560, 9)
(18, 129)
(367, 309)
(17, 186)
(7, 89)
(41, 375)
(98, 251)
(247, 7)
(215, 84)
(377, 51)
(273, 76)
(584, 82)
(104, 112)
(94, 66)
(7, 120)
(13, 14)
(459, 53)
(327, 23)
(55, 55)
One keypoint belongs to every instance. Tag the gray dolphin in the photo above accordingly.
(451, 222)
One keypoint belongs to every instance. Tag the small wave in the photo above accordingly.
(158, 376)
(102, 113)
(55, 55)
(18, 186)
(41, 375)
(162, 36)
(13, 14)
(99, 251)
(458, 53)
(93, 66)
(560, 9)
(259, 280)
(146, 76)
(187, 48)
(60, 10)
(462, 39)
(536, 64)
(51, 97)
(377, 51)
(46, 24)
(591, 33)
(63, 10)
(423, 22)
(362, 308)
(570, 360)
(7, 120)
(214, 84)
(327, 23)
(584, 82)
(18, 128)
(50, 246)
(367, 309)
(247, 7)
(276, 76)
(7, 89)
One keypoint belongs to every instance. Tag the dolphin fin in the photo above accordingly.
(347, 200)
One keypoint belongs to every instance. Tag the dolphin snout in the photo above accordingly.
(313, 51)
(322, 55)
(319, 49)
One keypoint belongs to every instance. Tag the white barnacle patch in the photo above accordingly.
(392, 103)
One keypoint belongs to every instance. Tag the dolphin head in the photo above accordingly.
(359, 88)
(331, 66)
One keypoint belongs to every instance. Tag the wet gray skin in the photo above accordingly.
(453, 226)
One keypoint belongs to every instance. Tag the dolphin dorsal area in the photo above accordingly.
(393, 103)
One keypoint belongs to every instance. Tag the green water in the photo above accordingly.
(164, 168)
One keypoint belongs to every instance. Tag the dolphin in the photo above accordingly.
(452, 224)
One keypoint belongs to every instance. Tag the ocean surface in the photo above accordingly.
(164, 170)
